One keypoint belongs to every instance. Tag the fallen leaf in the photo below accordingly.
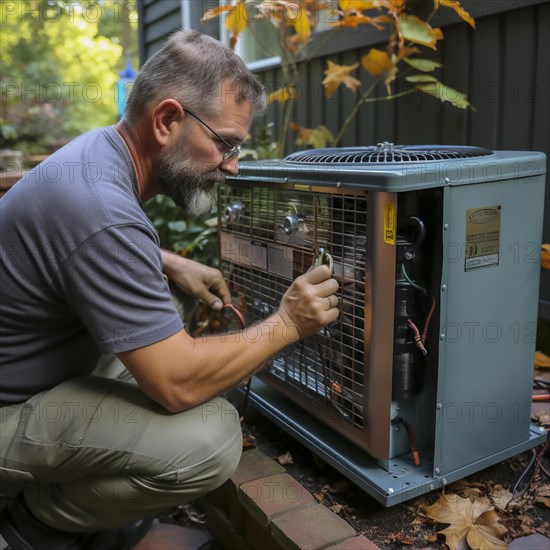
(337, 508)
(475, 523)
(285, 458)
(339, 74)
(501, 497)
(430, 538)
(542, 361)
(543, 500)
(249, 442)
(400, 538)
(340, 486)
(545, 256)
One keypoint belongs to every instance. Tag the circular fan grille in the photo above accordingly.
(386, 153)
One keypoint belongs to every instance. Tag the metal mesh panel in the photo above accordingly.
(386, 153)
(329, 367)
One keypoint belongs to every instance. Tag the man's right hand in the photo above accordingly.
(310, 302)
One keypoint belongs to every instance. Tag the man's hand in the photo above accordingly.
(200, 281)
(311, 302)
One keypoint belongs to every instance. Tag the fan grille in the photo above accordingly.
(386, 153)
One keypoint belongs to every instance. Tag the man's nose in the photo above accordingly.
(230, 166)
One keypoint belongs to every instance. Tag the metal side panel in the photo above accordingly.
(401, 482)
(489, 296)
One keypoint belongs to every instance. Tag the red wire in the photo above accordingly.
(237, 314)
(427, 322)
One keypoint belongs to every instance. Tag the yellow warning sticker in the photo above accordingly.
(389, 223)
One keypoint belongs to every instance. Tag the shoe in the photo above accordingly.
(21, 530)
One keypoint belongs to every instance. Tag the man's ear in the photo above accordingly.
(166, 115)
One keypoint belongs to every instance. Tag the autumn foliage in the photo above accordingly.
(294, 22)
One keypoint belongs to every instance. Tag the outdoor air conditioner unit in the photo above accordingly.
(436, 250)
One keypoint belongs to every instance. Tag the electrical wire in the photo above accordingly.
(412, 439)
(242, 324)
(535, 459)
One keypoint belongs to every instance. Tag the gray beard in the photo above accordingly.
(193, 192)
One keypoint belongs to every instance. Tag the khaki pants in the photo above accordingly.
(95, 452)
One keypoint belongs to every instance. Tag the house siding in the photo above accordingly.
(503, 66)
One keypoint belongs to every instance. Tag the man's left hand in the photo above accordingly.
(202, 282)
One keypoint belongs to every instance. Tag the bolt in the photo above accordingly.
(432, 486)
(439, 406)
(390, 490)
(447, 181)
(437, 470)
(446, 227)
(443, 288)
(338, 184)
(442, 337)
(542, 430)
(444, 481)
(409, 255)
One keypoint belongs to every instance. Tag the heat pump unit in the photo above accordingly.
(426, 376)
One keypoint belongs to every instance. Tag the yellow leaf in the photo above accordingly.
(302, 25)
(356, 5)
(284, 94)
(376, 62)
(237, 18)
(214, 12)
(542, 361)
(418, 31)
(339, 74)
(473, 523)
(316, 137)
(354, 20)
(455, 5)
(545, 256)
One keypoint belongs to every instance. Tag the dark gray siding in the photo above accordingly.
(503, 66)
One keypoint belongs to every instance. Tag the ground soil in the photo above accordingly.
(404, 525)
(401, 526)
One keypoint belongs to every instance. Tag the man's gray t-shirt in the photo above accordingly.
(81, 270)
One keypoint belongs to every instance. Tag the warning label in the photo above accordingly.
(482, 247)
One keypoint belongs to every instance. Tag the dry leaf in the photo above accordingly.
(542, 361)
(355, 5)
(545, 256)
(430, 538)
(337, 508)
(543, 500)
(400, 538)
(340, 74)
(376, 62)
(500, 497)
(473, 523)
(353, 20)
(285, 458)
(461, 12)
(302, 25)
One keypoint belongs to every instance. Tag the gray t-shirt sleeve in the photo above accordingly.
(115, 284)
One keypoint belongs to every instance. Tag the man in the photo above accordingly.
(82, 275)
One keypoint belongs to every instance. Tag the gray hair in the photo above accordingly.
(190, 68)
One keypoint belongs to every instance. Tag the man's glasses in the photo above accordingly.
(232, 150)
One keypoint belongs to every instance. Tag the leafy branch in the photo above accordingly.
(294, 22)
